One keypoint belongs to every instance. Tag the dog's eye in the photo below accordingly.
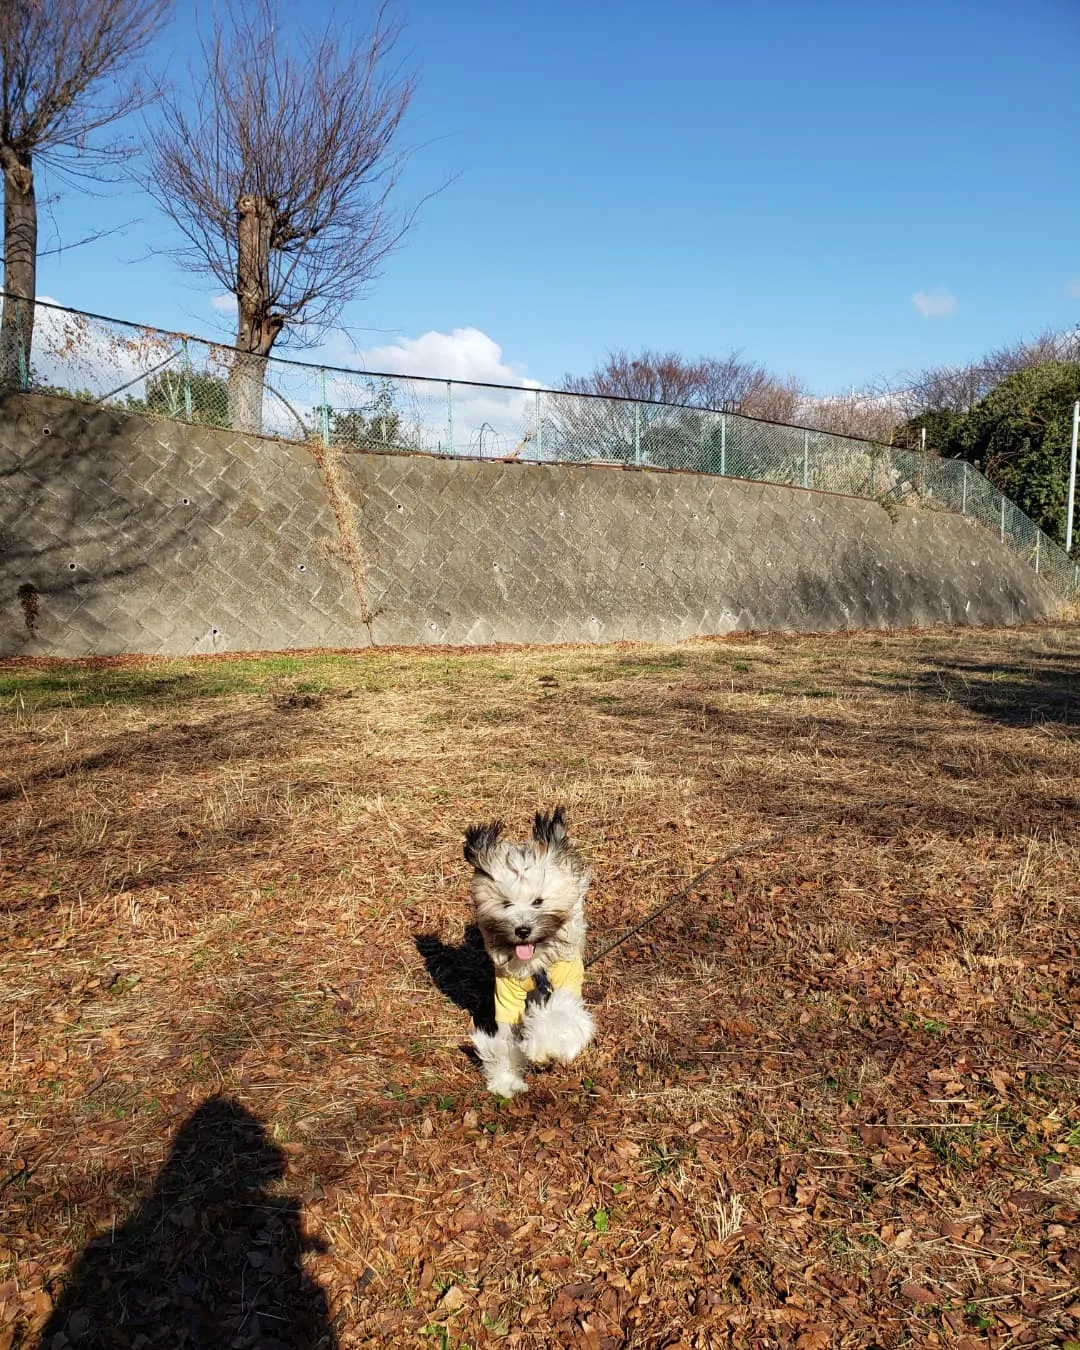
(538, 902)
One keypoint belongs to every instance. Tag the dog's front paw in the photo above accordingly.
(504, 1082)
(502, 1060)
(557, 1030)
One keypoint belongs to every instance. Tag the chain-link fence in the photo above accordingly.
(169, 375)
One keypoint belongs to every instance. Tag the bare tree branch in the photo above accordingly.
(61, 62)
(958, 388)
(866, 414)
(278, 172)
(63, 79)
(91, 238)
(725, 384)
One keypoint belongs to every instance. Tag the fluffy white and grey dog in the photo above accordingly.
(530, 910)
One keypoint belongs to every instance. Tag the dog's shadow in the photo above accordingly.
(464, 974)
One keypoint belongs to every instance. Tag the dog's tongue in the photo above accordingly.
(524, 952)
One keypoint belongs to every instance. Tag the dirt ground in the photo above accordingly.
(834, 1100)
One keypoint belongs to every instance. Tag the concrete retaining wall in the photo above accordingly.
(123, 534)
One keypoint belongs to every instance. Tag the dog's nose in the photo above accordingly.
(522, 931)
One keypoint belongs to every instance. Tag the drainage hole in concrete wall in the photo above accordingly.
(400, 507)
(185, 501)
(301, 567)
(46, 431)
(72, 566)
(214, 632)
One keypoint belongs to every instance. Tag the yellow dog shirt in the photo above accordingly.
(510, 992)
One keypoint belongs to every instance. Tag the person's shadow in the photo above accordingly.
(211, 1258)
(463, 974)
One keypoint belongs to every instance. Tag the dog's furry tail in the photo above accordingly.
(558, 1029)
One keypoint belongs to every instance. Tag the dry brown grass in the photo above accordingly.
(834, 1100)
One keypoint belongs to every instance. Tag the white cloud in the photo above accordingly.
(935, 304)
(464, 354)
(1072, 287)
(224, 304)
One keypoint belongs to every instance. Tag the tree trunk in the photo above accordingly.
(258, 329)
(20, 268)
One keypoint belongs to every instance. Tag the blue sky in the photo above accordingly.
(841, 191)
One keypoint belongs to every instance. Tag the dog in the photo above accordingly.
(529, 899)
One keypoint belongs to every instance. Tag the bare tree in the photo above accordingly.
(776, 399)
(659, 407)
(278, 175)
(725, 384)
(957, 389)
(867, 415)
(62, 79)
(731, 384)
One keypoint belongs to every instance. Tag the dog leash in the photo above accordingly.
(755, 846)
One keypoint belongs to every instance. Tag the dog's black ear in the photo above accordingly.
(550, 831)
(479, 841)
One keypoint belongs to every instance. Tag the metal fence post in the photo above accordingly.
(1038, 541)
(806, 459)
(539, 428)
(637, 433)
(1071, 499)
(963, 490)
(723, 443)
(449, 418)
(23, 354)
(1003, 517)
(325, 408)
(186, 361)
